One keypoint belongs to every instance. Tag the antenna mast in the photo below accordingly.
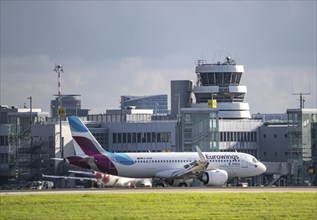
(301, 98)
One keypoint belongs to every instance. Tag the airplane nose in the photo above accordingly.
(262, 167)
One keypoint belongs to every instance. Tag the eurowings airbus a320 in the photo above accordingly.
(212, 168)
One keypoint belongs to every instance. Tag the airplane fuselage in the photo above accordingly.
(147, 165)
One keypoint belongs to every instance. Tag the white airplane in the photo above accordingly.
(106, 179)
(212, 168)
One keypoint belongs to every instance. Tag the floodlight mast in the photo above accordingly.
(59, 69)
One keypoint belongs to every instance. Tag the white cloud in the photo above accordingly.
(22, 77)
(102, 83)
(270, 90)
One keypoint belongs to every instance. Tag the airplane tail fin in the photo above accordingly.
(85, 143)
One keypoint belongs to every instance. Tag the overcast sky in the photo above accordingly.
(110, 48)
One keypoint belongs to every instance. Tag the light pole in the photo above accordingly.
(77, 105)
(59, 69)
(30, 109)
(178, 106)
(179, 127)
(121, 110)
(155, 107)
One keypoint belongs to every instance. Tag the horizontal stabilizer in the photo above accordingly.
(57, 159)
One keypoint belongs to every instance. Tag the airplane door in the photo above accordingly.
(244, 162)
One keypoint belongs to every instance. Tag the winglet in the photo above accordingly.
(201, 155)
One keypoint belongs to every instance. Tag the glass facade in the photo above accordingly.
(71, 105)
(143, 141)
(24, 151)
(300, 150)
(141, 137)
(199, 128)
(220, 78)
(102, 136)
(243, 136)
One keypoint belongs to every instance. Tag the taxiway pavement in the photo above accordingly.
(165, 190)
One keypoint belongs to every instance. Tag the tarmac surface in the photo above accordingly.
(166, 190)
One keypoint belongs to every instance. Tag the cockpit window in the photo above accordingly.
(254, 160)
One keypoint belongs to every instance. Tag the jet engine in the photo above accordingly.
(102, 177)
(214, 177)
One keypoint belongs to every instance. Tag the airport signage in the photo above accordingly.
(61, 112)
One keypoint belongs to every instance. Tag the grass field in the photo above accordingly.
(160, 206)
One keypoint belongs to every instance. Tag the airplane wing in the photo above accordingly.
(190, 169)
(106, 179)
(88, 173)
(70, 177)
(146, 182)
(125, 182)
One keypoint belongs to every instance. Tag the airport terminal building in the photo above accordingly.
(210, 113)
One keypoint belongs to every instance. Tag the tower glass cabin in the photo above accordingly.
(221, 82)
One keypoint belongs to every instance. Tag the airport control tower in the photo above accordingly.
(220, 81)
